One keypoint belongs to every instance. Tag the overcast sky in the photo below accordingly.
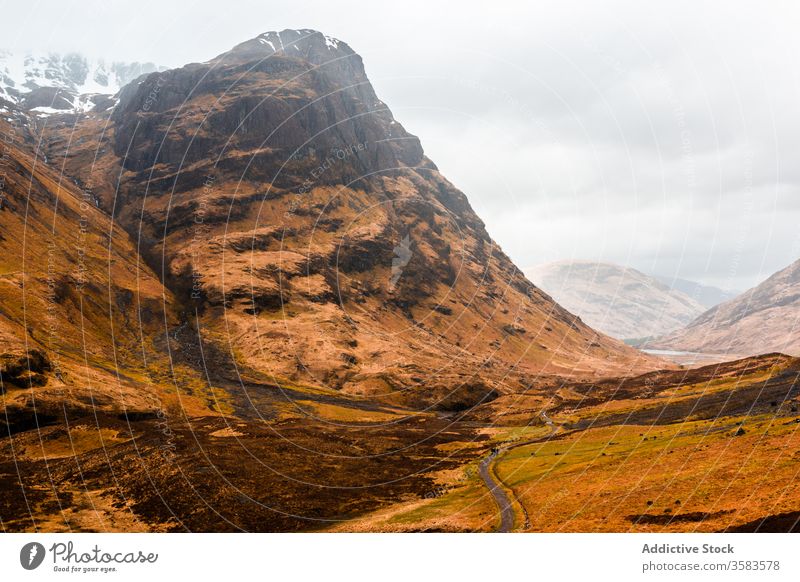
(664, 136)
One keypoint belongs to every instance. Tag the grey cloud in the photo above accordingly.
(660, 135)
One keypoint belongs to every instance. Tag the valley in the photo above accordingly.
(667, 451)
(680, 458)
(238, 296)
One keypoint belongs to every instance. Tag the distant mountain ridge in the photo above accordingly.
(764, 319)
(620, 301)
(706, 295)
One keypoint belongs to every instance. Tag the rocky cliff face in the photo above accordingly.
(619, 301)
(762, 320)
(304, 231)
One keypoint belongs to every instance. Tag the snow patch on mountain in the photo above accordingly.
(295, 40)
(45, 82)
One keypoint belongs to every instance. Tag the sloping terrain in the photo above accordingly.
(708, 450)
(243, 291)
(244, 299)
(761, 320)
(305, 232)
(82, 320)
(619, 301)
(109, 417)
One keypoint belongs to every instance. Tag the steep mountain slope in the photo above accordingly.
(762, 320)
(44, 84)
(619, 301)
(81, 319)
(311, 237)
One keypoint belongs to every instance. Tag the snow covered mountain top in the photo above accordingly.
(303, 43)
(295, 39)
(46, 83)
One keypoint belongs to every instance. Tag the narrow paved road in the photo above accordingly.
(499, 494)
(501, 498)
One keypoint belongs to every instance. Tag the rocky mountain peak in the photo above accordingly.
(330, 58)
(308, 44)
(302, 93)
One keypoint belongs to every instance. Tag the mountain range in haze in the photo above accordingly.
(664, 314)
(706, 295)
(620, 301)
(763, 319)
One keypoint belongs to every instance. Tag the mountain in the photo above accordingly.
(300, 224)
(239, 296)
(762, 320)
(47, 83)
(619, 301)
(706, 295)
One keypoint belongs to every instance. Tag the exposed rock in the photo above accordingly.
(25, 369)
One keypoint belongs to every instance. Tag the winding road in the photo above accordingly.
(501, 497)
